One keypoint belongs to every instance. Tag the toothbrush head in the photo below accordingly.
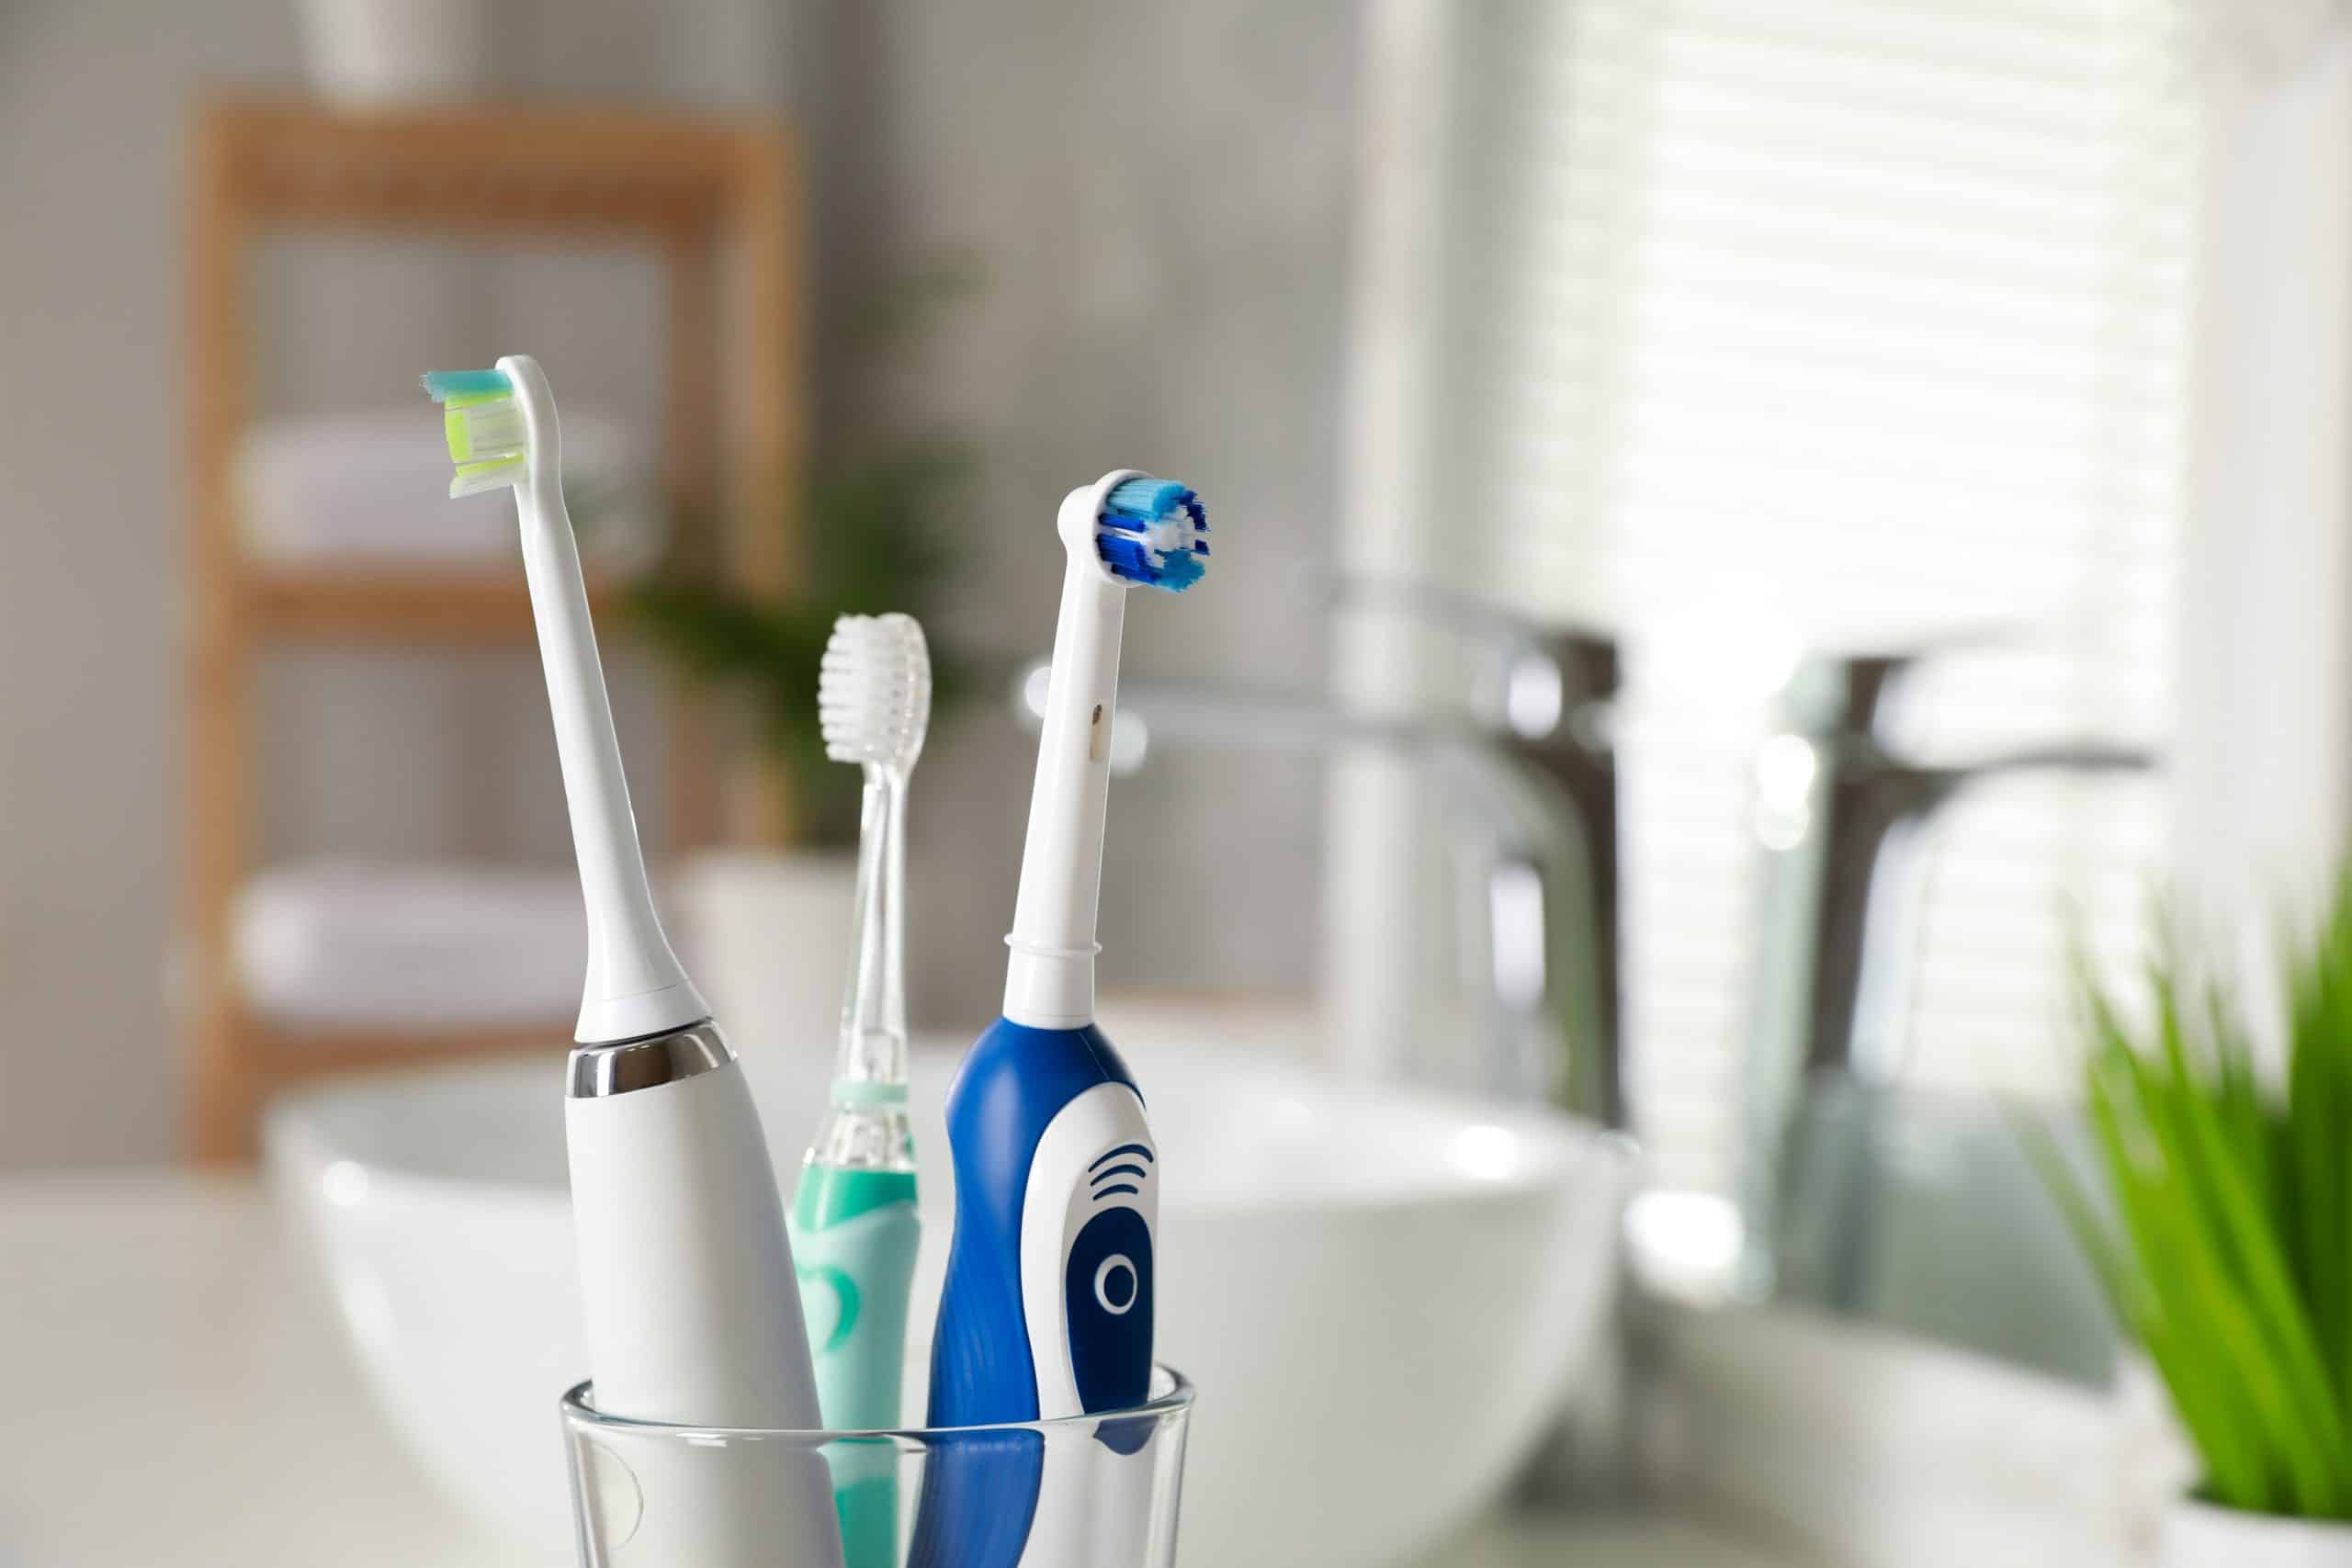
(1152, 532)
(873, 691)
(489, 440)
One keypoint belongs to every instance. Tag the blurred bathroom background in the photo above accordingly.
(1728, 337)
(1898, 448)
(1172, 301)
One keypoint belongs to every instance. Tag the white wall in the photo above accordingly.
(91, 99)
(2265, 773)
(94, 97)
(1161, 195)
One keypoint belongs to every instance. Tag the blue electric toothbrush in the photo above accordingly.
(1048, 1308)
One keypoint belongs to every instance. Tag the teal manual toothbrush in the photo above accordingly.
(853, 1225)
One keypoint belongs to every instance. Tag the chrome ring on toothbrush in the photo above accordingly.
(598, 1072)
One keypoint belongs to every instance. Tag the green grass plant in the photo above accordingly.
(2225, 1242)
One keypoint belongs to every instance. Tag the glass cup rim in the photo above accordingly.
(1175, 1399)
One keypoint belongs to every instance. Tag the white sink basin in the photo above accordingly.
(1381, 1295)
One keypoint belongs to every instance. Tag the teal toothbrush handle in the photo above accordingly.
(853, 1239)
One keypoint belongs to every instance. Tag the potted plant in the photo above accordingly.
(769, 927)
(2220, 1227)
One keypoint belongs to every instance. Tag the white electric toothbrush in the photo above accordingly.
(1048, 1309)
(686, 1275)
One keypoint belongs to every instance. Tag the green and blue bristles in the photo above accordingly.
(484, 425)
(1153, 532)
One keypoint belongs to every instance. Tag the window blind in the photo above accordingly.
(1771, 324)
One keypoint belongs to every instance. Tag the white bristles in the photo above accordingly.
(486, 441)
(873, 691)
(484, 431)
(475, 478)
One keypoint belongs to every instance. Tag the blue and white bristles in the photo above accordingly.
(484, 426)
(1154, 533)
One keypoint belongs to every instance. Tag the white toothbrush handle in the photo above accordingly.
(1050, 977)
(719, 1505)
(691, 1303)
(635, 985)
(686, 1269)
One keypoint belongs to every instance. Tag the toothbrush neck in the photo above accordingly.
(635, 985)
(874, 1009)
(1049, 978)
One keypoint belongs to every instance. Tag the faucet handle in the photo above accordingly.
(1576, 665)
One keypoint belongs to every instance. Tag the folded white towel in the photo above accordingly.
(375, 487)
(353, 944)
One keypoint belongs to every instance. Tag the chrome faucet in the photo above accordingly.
(1537, 760)
(1840, 821)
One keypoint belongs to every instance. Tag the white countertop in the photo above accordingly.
(179, 1397)
(1633, 1542)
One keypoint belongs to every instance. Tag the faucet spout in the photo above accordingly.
(1537, 771)
(1841, 824)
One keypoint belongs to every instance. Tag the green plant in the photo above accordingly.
(874, 520)
(2227, 1247)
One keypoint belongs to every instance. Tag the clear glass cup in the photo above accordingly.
(1105, 1491)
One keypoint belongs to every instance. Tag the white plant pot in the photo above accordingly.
(766, 936)
(366, 52)
(2201, 1535)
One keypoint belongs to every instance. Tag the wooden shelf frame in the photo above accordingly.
(717, 197)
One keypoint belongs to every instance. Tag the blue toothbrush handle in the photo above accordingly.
(1048, 1307)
